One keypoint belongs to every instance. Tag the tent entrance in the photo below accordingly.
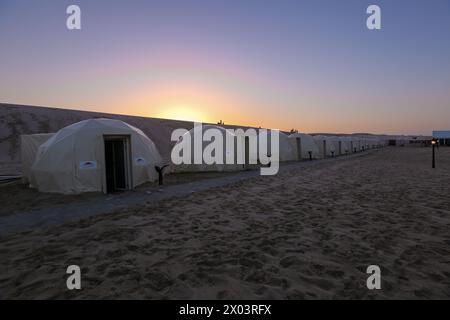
(117, 163)
(247, 153)
(298, 142)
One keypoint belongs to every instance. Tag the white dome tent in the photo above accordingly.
(247, 144)
(346, 145)
(230, 165)
(339, 146)
(305, 146)
(375, 143)
(356, 144)
(325, 145)
(95, 155)
(366, 144)
(287, 151)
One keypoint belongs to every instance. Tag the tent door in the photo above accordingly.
(299, 148)
(117, 163)
(247, 153)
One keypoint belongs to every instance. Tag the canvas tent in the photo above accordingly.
(246, 148)
(339, 145)
(304, 146)
(354, 144)
(286, 149)
(29, 145)
(344, 145)
(95, 155)
(220, 163)
(326, 146)
(358, 144)
(375, 143)
(365, 144)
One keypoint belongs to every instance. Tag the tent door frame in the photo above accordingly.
(128, 176)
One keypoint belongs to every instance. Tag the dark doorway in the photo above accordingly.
(299, 148)
(116, 163)
(247, 153)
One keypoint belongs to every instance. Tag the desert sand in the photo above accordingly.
(303, 234)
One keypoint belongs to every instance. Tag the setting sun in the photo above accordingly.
(183, 112)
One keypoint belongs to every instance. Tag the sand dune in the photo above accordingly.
(303, 234)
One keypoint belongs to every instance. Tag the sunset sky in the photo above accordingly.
(310, 65)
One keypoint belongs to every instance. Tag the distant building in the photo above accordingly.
(443, 137)
(409, 141)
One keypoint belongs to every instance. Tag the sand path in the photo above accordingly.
(78, 207)
(300, 234)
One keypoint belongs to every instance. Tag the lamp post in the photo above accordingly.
(433, 145)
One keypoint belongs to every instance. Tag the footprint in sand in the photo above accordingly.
(158, 281)
(290, 261)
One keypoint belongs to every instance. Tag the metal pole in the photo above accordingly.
(434, 161)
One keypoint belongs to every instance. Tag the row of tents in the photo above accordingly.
(106, 155)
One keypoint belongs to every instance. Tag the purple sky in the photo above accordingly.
(309, 65)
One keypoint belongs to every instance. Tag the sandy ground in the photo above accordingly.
(17, 197)
(301, 234)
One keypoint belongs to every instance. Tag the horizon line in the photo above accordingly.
(234, 125)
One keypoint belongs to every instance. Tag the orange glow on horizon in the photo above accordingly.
(182, 112)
